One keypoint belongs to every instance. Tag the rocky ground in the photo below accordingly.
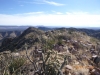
(56, 51)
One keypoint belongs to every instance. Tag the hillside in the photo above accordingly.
(91, 32)
(76, 46)
(33, 35)
(9, 34)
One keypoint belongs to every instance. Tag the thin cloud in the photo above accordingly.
(43, 2)
(53, 3)
(59, 13)
(77, 13)
(33, 13)
(55, 12)
(29, 13)
(72, 20)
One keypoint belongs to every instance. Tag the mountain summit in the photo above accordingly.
(70, 48)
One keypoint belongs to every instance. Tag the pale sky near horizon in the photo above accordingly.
(71, 13)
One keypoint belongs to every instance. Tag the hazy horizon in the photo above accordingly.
(48, 26)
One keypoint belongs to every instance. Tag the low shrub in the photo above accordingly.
(16, 64)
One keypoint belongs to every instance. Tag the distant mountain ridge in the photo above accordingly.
(10, 31)
(90, 32)
(34, 35)
(15, 31)
(12, 28)
(9, 34)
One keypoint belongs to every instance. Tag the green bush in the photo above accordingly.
(49, 44)
(16, 64)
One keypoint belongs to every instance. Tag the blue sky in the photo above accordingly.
(71, 13)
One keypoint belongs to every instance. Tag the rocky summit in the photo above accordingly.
(58, 51)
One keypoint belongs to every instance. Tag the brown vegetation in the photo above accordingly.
(57, 52)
